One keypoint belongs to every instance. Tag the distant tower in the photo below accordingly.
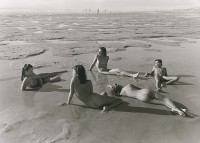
(97, 11)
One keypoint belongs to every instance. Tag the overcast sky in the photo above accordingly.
(125, 5)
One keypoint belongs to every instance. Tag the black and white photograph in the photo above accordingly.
(99, 71)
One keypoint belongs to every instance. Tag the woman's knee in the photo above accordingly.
(118, 70)
(176, 78)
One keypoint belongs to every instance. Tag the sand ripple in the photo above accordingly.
(18, 52)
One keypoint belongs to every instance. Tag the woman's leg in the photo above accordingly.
(158, 83)
(106, 102)
(119, 71)
(53, 74)
(108, 107)
(51, 77)
(167, 102)
(170, 79)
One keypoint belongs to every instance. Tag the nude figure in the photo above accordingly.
(101, 62)
(83, 89)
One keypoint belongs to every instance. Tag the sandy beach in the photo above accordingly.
(54, 42)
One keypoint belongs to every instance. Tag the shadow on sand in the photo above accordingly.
(9, 78)
(52, 87)
(124, 107)
(183, 83)
(185, 76)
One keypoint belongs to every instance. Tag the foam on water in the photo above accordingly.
(21, 28)
(38, 32)
(62, 25)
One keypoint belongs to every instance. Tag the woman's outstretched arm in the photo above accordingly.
(151, 73)
(71, 93)
(24, 83)
(93, 63)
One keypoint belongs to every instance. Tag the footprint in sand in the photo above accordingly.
(2, 126)
(42, 115)
(117, 59)
(6, 128)
(62, 104)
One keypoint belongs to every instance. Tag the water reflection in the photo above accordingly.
(28, 97)
(100, 80)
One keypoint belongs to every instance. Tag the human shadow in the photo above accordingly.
(124, 107)
(162, 91)
(185, 76)
(9, 78)
(52, 87)
(182, 83)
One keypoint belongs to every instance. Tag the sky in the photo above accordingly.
(117, 5)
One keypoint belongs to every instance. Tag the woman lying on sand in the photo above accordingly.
(33, 80)
(101, 61)
(144, 95)
(160, 74)
(83, 89)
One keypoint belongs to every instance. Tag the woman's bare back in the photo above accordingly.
(85, 94)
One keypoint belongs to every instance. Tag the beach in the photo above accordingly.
(54, 42)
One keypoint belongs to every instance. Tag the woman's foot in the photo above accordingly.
(159, 89)
(163, 85)
(176, 110)
(135, 75)
(105, 109)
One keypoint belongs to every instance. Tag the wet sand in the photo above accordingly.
(134, 41)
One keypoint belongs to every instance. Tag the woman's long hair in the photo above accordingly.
(81, 74)
(25, 68)
(158, 60)
(116, 90)
(103, 50)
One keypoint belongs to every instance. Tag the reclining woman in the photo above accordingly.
(33, 80)
(144, 95)
(101, 61)
(83, 89)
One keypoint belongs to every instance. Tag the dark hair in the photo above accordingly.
(159, 60)
(25, 68)
(116, 89)
(103, 50)
(80, 71)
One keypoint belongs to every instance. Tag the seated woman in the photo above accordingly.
(33, 80)
(83, 89)
(160, 75)
(101, 61)
(144, 95)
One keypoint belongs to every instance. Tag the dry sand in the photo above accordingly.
(134, 41)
